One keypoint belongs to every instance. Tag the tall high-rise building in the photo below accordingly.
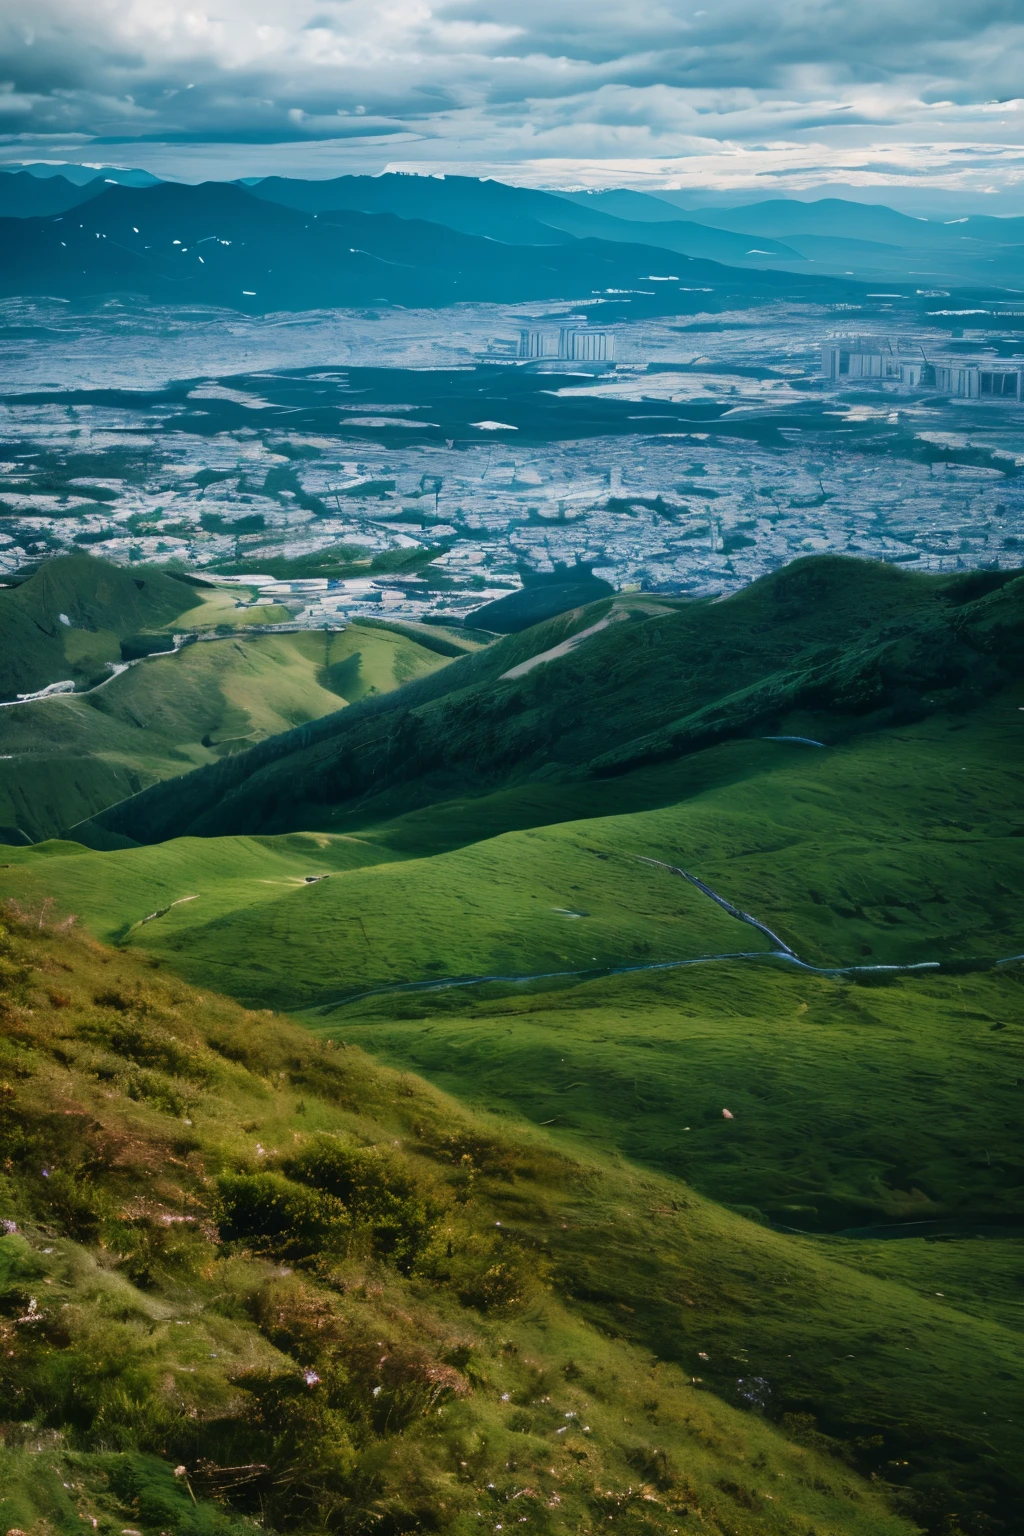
(536, 344)
(585, 346)
(573, 344)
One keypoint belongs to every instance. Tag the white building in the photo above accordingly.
(859, 357)
(584, 346)
(848, 358)
(980, 381)
(573, 344)
(536, 344)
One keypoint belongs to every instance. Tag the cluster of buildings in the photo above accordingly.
(852, 358)
(572, 344)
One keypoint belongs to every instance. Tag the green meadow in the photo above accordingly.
(786, 1123)
(339, 1299)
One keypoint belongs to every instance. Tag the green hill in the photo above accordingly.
(68, 619)
(71, 755)
(901, 848)
(715, 904)
(842, 644)
(249, 1276)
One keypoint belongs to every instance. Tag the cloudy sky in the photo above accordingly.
(908, 97)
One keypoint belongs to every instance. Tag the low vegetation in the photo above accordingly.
(847, 644)
(252, 1279)
(719, 1224)
(67, 621)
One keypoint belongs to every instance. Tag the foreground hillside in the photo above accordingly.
(248, 1279)
(565, 969)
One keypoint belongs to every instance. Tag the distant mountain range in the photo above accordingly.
(829, 238)
(227, 244)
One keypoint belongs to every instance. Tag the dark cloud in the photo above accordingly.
(565, 80)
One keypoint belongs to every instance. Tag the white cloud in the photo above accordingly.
(581, 91)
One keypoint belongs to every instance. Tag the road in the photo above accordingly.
(780, 953)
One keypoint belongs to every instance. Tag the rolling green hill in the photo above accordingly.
(840, 645)
(901, 848)
(67, 621)
(714, 901)
(71, 755)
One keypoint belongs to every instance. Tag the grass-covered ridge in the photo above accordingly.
(843, 644)
(70, 756)
(67, 620)
(859, 1102)
(249, 1277)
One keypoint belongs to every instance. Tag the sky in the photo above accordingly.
(906, 101)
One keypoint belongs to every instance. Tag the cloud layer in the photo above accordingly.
(568, 91)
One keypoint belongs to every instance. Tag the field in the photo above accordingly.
(788, 1096)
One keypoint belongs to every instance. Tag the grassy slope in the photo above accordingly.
(855, 1104)
(103, 603)
(72, 755)
(845, 641)
(486, 1371)
(852, 1104)
(224, 606)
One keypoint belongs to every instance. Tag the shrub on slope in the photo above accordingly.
(206, 1321)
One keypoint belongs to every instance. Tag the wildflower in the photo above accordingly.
(727, 1114)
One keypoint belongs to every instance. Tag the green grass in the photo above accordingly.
(224, 875)
(227, 606)
(103, 605)
(488, 1368)
(475, 826)
(836, 646)
(978, 1273)
(68, 757)
(852, 1105)
(899, 847)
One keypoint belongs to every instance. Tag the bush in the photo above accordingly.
(380, 1192)
(149, 1252)
(162, 1500)
(74, 1201)
(269, 1212)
